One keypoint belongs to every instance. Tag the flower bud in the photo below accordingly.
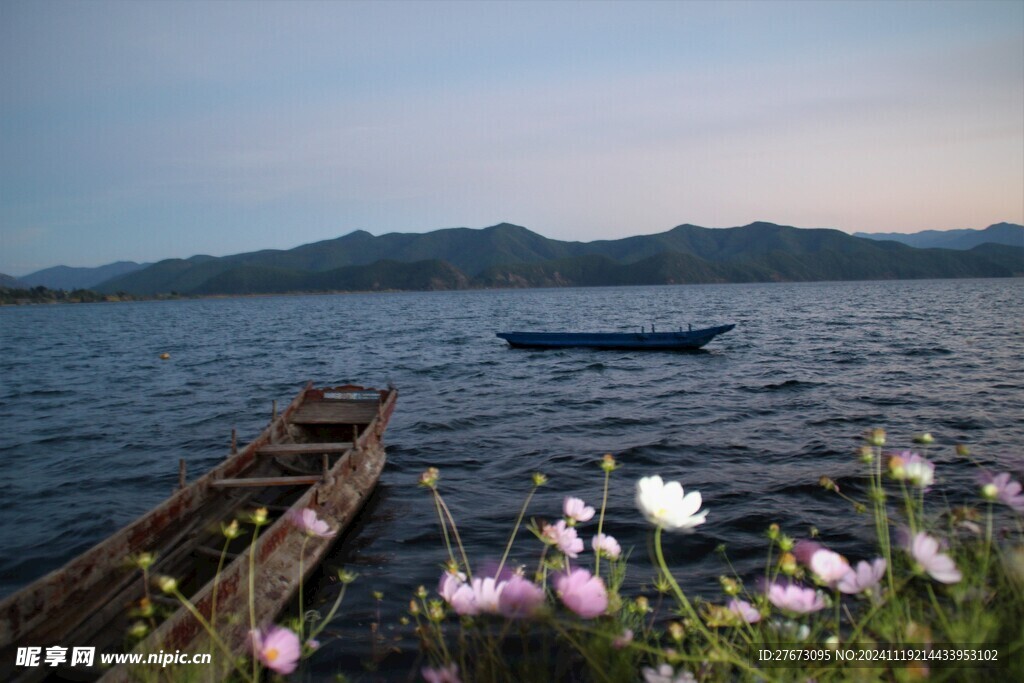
(832, 642)
(231, 531)
(643, 605)
(962, 450)
(143, 560)
(828, 484)
(429, 477)
(377, 595)
(729, 585)
(867, 455)
(168, 584)
(787, 564)
(539, 479)
(608, 463)
(785, 543)
(259, 516)
(990, 492)
(346, 576)
(773, 532)
(897, 468)
(925, 439)
(676, 631)
(414, 608)
(421, 592)
(138, 630)
(876, 437)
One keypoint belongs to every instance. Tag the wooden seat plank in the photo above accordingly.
(306, 480)
(304, 448)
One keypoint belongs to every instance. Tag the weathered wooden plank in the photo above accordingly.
(307, 480)
(325, 412)
(304, 448)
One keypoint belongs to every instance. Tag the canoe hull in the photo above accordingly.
(653, 341)
(333, 435)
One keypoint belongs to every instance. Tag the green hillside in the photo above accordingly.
(511, 256)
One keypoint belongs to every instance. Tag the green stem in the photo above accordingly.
(213, 635)
(444, 529)
(302, 581)
(515, 530)
(455, 532)
(600, 521)
(252, 594)
(216, 581)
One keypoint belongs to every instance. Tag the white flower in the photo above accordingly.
(666, 674)
(665, 505)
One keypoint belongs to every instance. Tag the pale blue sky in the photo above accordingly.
(148, 130)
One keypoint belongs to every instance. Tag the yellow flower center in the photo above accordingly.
(271, 654)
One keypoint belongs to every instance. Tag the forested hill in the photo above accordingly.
(511, 256)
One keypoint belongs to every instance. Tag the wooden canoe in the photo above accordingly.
(324, 452)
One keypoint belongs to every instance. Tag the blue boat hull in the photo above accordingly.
(655, 341)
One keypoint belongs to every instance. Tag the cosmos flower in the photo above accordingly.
(745, 611)
(308, 523)
(520, 598)
(828, 567)
(575, 510)
(925, 551)
(794, 598)
(441, 674)
(665, 505)
(582, 593)
(607, 546)
(565, 537)
(911, 467)
(1000, 487)
(864, 579)
(666, 674)
(277, 648)
(449, 584)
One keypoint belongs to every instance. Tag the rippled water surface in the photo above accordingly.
(92, 423)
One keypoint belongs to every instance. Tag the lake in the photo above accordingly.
(94, 423)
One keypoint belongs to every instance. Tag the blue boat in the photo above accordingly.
(641, 341)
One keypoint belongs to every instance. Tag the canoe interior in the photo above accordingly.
(322, 451)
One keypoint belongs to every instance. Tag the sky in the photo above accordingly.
(149, 130)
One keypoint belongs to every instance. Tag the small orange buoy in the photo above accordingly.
(165, 356)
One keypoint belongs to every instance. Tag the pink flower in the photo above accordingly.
(520, 598)
(582, 593)
(623, 639)
(607, 546)
(577, 511)
(745, 611)
(827, 566)
(442, 674)
(457, 593)
(565, 537)
(463, 601)
(278, 648)
(450, 584)
(794, 598)
(864, 579)
(925, 551)
(308, 523)
(1000, 487)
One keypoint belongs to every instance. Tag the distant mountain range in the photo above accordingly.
(65, 277)
(1000, 233)
(511, 256)
(9, 281)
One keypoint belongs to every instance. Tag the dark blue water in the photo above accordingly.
(92, 423)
